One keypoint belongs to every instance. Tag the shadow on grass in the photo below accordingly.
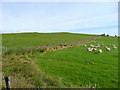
(95, 53)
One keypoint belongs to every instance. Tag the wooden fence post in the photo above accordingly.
(7, 81)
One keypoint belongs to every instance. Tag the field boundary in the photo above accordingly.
(51, 48)
(54, 48)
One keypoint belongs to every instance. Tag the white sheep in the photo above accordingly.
(90, 49)
(85, 45)
(98, 44)
(99, 50)
(91, 45)
(108, 49)
(114, 47)
(111, 45)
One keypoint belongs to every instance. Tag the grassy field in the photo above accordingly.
(23, 40)
(77, 67)
(72, 67)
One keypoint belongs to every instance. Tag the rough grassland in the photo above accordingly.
(76, 67)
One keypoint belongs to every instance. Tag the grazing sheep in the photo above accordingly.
(105, 46)
(108, 49)
(91, 45)
(114, 47)
(85, 45)
(98, 45)
(90, 49)
(111, 45)
(99, 50)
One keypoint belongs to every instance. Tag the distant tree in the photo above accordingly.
(107, 34)
(103, 34)
(115, 35)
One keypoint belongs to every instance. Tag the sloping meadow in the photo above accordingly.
(76, 67)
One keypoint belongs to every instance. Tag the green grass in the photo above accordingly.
(23, 40)
(77, 67)
(72, 67)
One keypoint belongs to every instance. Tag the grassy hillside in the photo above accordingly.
(77, 67)
(23, 40)
(69, 67)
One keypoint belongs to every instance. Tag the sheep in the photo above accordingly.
(111, 45)
(90, 49)
(91, 45)
(99, 50)
(108, 49)
(114, 47)
(85, 45)
(105, 46)
(98, 44)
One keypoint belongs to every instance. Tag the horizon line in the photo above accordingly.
(56, 32)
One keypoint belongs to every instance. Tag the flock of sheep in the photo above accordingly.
(96, 47)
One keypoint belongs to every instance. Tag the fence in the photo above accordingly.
(10, 83)
(51, 48)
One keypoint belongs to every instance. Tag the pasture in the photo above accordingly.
(72, 67)
(77, 67)
(23, 40)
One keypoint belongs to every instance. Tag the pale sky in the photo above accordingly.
(77, 17)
